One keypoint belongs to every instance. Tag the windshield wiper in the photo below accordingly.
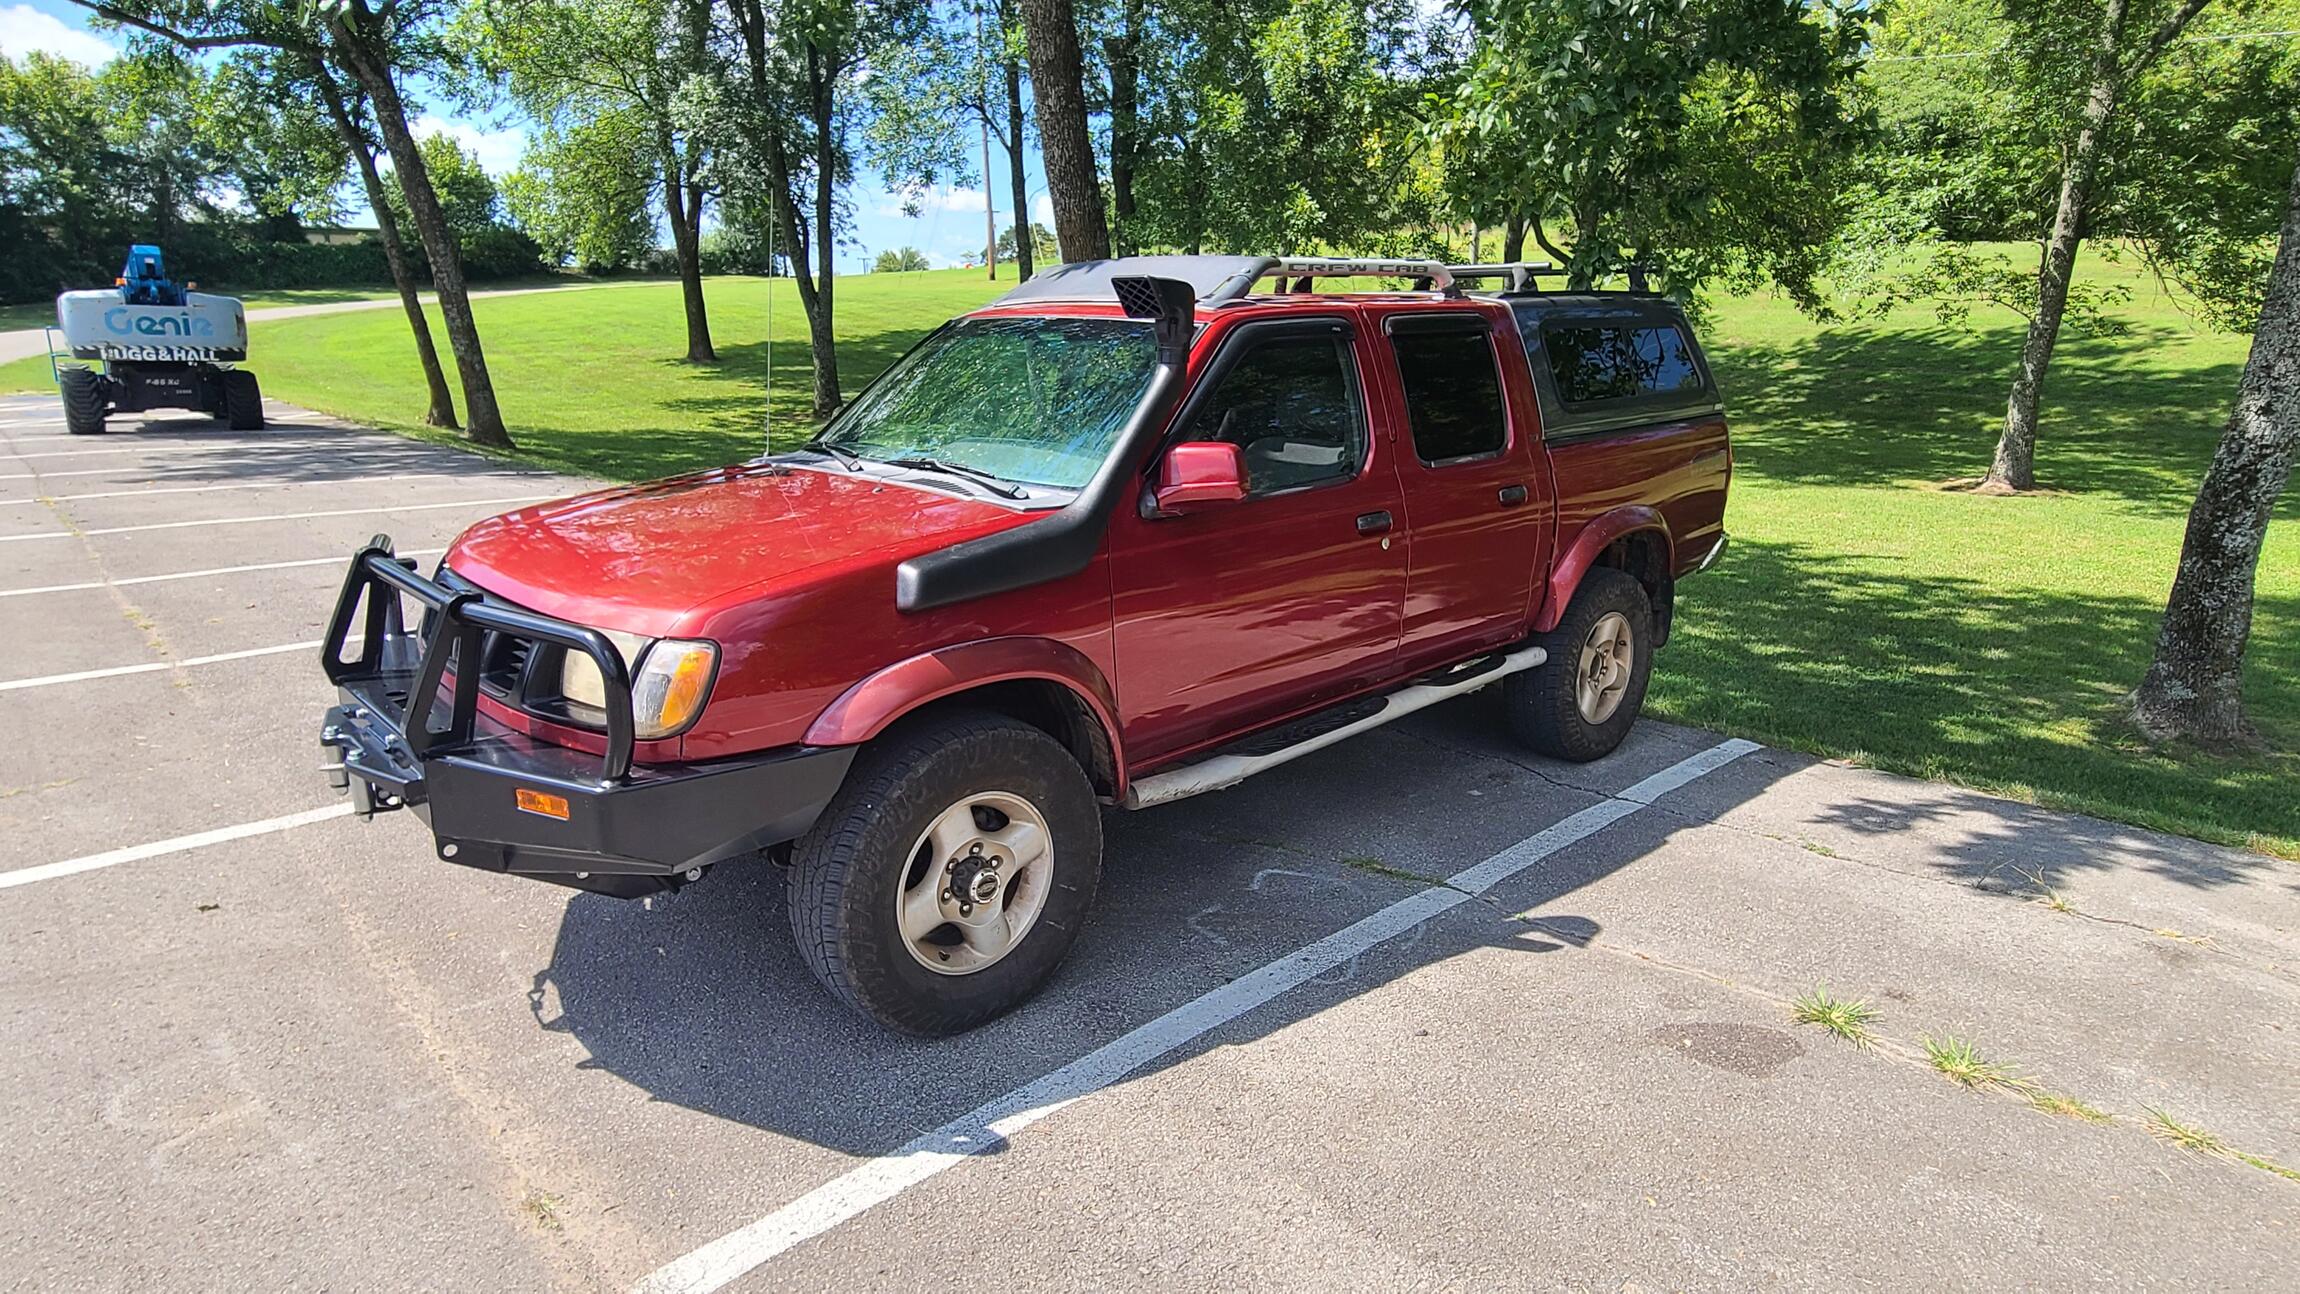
(994, 484)
(851, 460)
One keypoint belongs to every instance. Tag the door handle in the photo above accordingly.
(1512, 495)
(1373, 523)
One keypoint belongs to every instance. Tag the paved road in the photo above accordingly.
(246, 1043)
(19, 343)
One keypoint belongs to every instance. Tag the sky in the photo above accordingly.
(947, 227)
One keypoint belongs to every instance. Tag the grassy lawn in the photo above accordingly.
(1864, 612)
(39, 313)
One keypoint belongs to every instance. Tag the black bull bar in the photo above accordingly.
(410, 735)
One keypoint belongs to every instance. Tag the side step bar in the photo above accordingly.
(1219, 771)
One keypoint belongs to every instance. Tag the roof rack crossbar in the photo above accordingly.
(1432, 273)
(1519, 273)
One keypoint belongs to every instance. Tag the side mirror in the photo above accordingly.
(1199, 474)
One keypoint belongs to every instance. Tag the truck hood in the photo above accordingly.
(640, 558)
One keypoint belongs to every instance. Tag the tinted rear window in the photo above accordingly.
(1453, 393)
(1594, 362)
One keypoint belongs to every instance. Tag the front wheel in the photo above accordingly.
(1581, 702)
(951, 874)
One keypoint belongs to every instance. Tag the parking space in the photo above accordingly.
(1417, 1011)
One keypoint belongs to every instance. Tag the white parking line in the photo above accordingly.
(995, 1123)
(276, 516)
(386, 451)
(269, 485)
(146, 449)
(137, 853)
(338, 560)
(150, 667)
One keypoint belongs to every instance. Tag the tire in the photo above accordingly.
(83, 401)
(983, 780)
(1549, 708)
(243, 401)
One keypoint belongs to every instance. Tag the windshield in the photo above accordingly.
(1033, 400)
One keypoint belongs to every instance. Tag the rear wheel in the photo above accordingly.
(243, 401)
(83, 401)
(950, 876)
(1581, 702)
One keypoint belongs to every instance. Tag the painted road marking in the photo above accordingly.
(273, 485)
(137, 853)
(994, 1124)
(151, 667)
(157, 445)
(277, 516)
(340, 560)
(387, 452)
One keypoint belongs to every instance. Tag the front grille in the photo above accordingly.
(503, 664)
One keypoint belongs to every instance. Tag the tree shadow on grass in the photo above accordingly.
(1883, 406)
(2015, 690)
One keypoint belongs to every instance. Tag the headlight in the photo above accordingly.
(670, 680)
(668, 691)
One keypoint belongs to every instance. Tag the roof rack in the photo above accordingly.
(1429, 275)
(1519, 273)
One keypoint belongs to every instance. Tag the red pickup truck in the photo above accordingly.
(1137, 530)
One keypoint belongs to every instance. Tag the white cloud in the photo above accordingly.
(24, 29)
(1042, 210)
(498, 150)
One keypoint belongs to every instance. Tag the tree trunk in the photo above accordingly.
(1025, 249)
(374, 76)
(2014, 467)
(1056, 82)
(2194, 689)
(1513, 239)
(441, 412)
(750, 19)
(820, 333)
(683, 205)
(1121, 53)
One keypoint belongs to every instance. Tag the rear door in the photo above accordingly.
(1477, 507)
(1236, 616)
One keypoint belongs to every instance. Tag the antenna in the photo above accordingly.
(767, 415)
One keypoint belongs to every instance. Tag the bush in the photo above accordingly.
(501, 252)
(735, 249)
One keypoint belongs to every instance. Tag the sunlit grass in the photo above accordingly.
(1849, 1019)
(1960, 1061)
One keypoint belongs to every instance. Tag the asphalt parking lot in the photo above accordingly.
(1419, 1011)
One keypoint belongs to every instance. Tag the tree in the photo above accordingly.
(468, 197)
(900, 260)
(373, 47)
(1705, 139)
(275, 145)
(582, 192)
(1039, 246)
(1057, 80)
(615, 80)
(2194, 688)
(347, 118)
(2117, 62)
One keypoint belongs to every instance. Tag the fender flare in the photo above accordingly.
(866, 709)
(1595, 537)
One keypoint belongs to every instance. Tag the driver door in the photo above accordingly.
(1244, 614)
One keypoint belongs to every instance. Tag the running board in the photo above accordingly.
(1219, 771)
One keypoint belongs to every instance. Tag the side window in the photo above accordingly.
(1291, 407)
(1619, 362)
(1453, 393)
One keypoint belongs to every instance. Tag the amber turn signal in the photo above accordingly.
(549, 806)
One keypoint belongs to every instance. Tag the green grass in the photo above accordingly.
(1849, 1019)
(1864, 612)
(1959, 1061)
(39, 313)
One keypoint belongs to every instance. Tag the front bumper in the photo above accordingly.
(502, 801)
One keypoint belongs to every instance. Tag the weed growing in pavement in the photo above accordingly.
(544, 1208)
(1960, 1061)
(2062, 1103)
(1848, 1018)
(1377, 867)
(2187, 1136)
